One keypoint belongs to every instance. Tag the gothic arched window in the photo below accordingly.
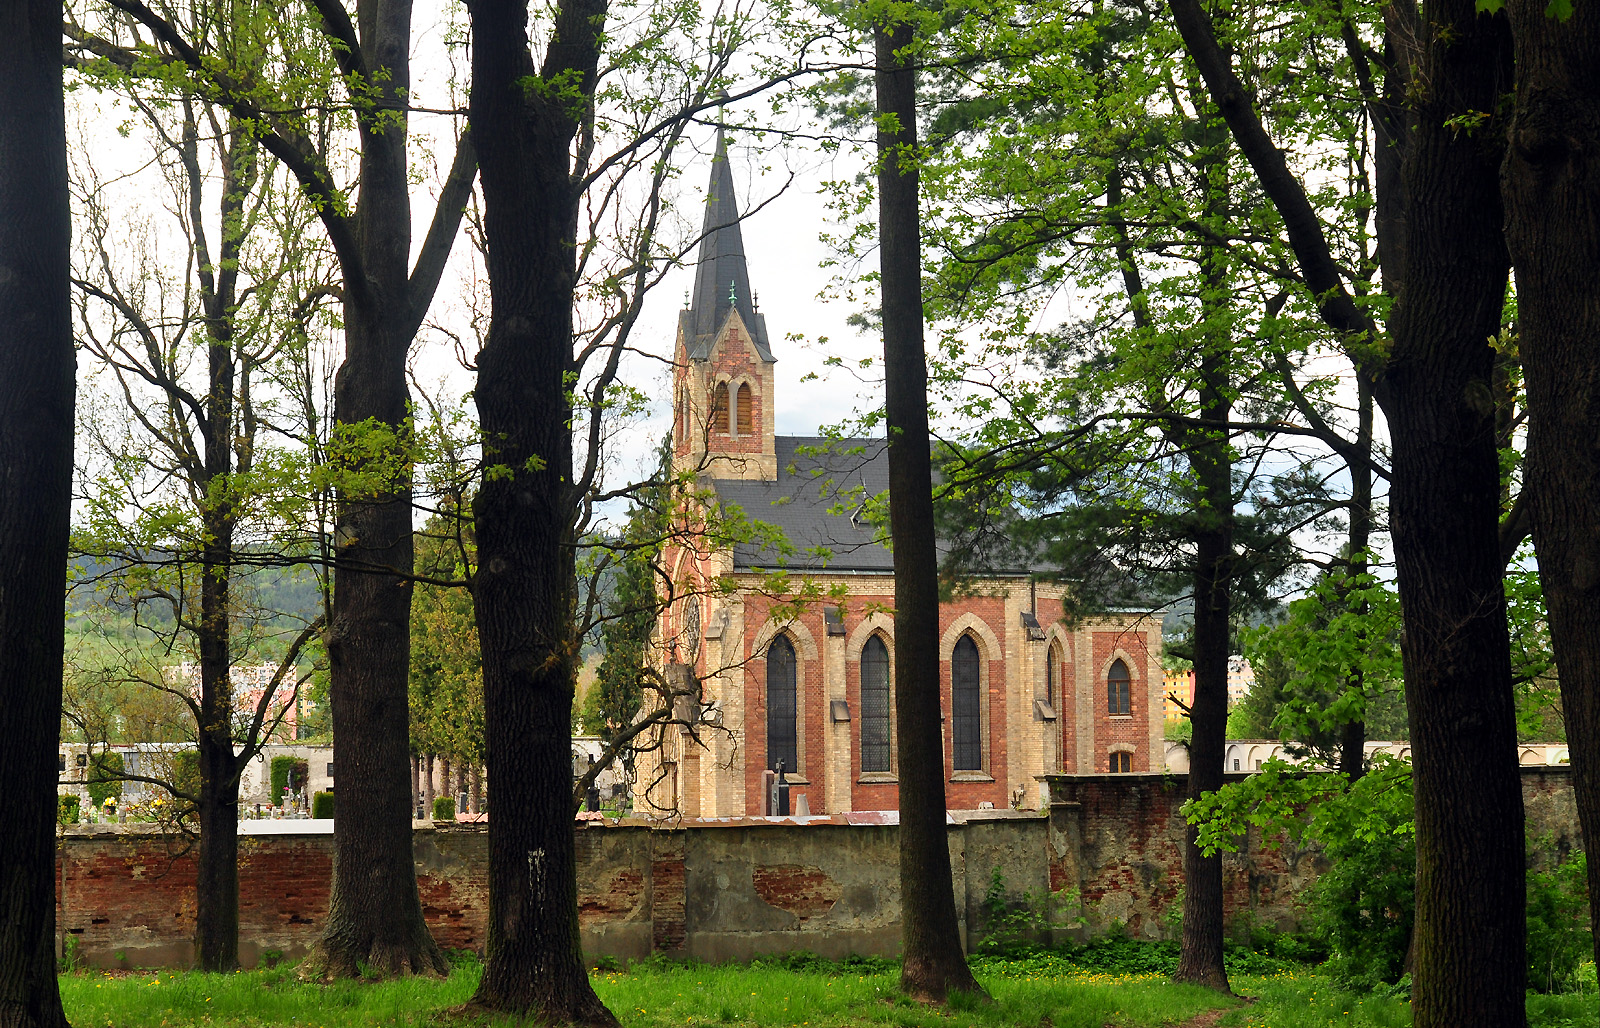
(966, 708)
(782, 741)
(1051, 664)
(874, 706)
(1119, 689)
(743, 412)
(719, 408)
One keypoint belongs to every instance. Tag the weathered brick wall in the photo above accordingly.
(1117, 840)
(730, 889)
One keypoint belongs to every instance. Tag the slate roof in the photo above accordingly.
(816, 477)
(721, 276)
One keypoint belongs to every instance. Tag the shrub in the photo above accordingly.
(322, 805)
(105, 777)
(288, 772)
(444, 808)
(67, 808)
(1364, 906)
(1558, 930)
(185, 778)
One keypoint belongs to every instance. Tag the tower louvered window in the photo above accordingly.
(966, 710)
(719, 408)
(875, 706)
(743, 411)
(782, 741)
(1119, 689)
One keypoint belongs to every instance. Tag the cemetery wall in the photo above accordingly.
(1109, 848)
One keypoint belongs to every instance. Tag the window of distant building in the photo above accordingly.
(1121, 762)
(782, 739)
(966, 706)
(874, 706)
(719, 408)
(743, 422)
(1119, 689)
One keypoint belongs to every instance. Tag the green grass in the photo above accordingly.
(1043, 989)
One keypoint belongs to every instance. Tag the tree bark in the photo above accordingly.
(1353, 736)
(525, 589)
(934, 964)
(216, 923)
(1470, 963)
(36, 426)
(1210, 460)
(1551, 183)
(374, 914)
(1447, 272)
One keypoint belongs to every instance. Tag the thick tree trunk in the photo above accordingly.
(1210, 460)
(934, 964)
(374, 915)
(36, 397)
(1551, 183)
(1470, 963)
(525, 590)
(1445, 264)
(216, 929)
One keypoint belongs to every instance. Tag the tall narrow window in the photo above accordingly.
(874, 706)
(735, 416)
(719, 408)
(1052, 661)
(965, 708)
(744, 412)
(1119, 689)
(782, 743)
(1121, 762)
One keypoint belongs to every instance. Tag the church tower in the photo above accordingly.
(723, 377)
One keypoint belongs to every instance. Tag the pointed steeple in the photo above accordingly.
(721, 277)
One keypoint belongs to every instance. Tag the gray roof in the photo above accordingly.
(721, 276)
(816, 502)
(842, 476)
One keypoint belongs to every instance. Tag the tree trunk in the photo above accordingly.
(444, 778)
(374, 915)
(416, 781)
(427, 786)
(1470, 963)
(216, 922)
(1211, 463)
(1353, 736)
(216, 927)
(526, 587)
(934, 964)
(1553, 230)
(1445, 264)
(36, 397)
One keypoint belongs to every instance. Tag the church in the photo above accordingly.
(797, 668)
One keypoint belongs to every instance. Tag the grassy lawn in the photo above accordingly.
(1041, 990)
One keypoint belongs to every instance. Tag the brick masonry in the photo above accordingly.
(721, 890)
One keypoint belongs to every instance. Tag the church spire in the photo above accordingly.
(721, 278)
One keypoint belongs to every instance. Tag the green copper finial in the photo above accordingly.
(733, 292)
